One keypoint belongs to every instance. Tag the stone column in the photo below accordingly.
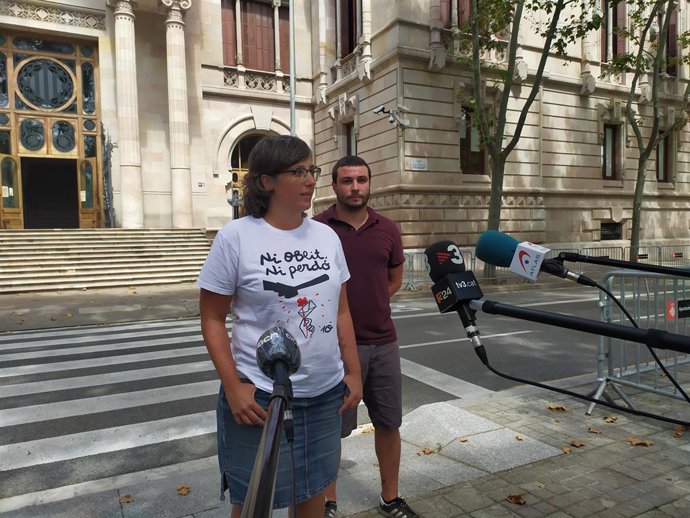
(276, 37)
(128, 115)
(178, 114)
(238, 32)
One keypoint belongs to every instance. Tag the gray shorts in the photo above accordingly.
(382, 382)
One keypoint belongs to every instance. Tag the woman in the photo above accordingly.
(275, 267)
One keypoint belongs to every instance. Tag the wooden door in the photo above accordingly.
(88, 193)
(11, 211)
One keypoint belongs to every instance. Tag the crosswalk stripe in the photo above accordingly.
(83, 444)
(23, 389)
(195, 337)
(75, 407)
(88, 338)
(98, 329)
(100, 362)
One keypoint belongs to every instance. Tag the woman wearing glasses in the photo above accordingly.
(275, 267)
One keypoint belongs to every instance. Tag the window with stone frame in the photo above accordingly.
(670, 65)
(258, 34)
(614, 22)
(348, 26)
(472, 154)
(664, 158)
(350, 138)
(610, 152)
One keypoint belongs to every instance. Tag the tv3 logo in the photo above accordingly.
(452, 253)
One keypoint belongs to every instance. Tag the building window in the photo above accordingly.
(350, 138)
(257, 21)
(671, 49)
(611, 231)
(663, 159)
(349, 26)
(610, 152)
(258, 44)
(463, 13)
(612, 27)
(228, 25)
(471, 152)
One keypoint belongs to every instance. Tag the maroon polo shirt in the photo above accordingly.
(370, 251)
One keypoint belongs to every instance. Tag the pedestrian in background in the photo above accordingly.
(374, 253)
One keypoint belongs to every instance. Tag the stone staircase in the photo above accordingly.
(50, 260)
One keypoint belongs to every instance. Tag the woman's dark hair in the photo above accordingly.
(346, 161)
(270, 156)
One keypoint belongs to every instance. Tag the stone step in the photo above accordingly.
(37, 260)
(77, 284)
(97, 266)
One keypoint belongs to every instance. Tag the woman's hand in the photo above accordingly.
(353, 394)
(244, 407)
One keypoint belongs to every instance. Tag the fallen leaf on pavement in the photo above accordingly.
(516, 499)
(126, 499)
(556, 420)
(183, 490)
(519, 437)
(463, 439)
(677, 434)
(556, 408)
(591, 429)
(566, 450)
(426, 451)
(577, 443)
(639, 442)
(610, 419)
(368, 429)
(68, 315)
(53, 318)
(540, 485)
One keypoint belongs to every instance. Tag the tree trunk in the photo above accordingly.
(498, 166)
(637, 208)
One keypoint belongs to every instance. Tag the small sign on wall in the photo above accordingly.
(419, 164)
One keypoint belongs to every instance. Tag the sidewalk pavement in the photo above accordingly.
(478, 456)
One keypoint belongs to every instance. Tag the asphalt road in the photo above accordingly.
(97, 402)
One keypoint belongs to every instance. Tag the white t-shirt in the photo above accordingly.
(281, 278)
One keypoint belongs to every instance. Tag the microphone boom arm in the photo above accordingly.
(616, 263)
(651, 337)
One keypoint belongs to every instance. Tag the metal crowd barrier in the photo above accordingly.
(653, 300)
(673, 255)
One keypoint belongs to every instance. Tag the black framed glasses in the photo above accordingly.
(301, 173)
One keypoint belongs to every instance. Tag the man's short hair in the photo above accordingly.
(346, 161)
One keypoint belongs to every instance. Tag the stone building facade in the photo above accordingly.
(142, 114)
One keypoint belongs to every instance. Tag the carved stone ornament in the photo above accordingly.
(182, 5)
(589, 84)
(60, 15)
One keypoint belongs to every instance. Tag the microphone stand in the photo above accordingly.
(605, 261)
(259, 501)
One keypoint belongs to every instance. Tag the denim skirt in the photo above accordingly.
(316, 448)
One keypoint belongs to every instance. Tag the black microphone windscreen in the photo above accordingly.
(277, 344)
(443, 258)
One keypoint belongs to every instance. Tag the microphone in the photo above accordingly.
(454, 288)
(525, 259)
(277, 355)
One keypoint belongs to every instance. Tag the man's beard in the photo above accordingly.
(349, 205)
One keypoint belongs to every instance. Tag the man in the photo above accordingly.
(374, 254)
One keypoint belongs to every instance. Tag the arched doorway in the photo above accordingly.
(239, 158)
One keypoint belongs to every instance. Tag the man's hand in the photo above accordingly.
(244, 407)
(353, 394)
